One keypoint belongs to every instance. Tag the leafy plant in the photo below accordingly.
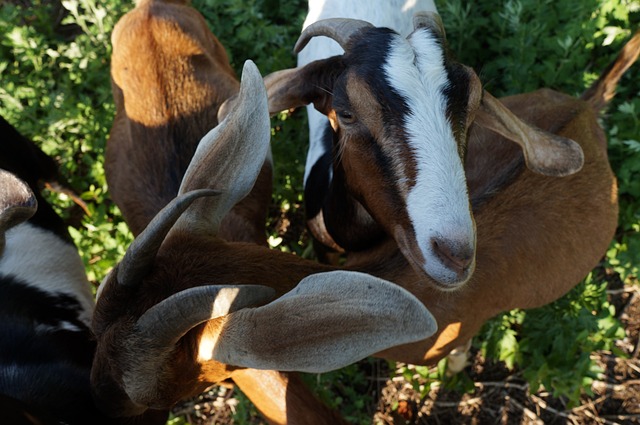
(346, 390)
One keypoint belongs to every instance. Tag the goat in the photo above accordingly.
(169, 76)
(173, 317)
(537, 235)
(45, 303)
(395, 14)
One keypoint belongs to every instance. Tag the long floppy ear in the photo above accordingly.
(544, 153)
(17, 203)
(328, 321)
(295, 87)
(229, 158)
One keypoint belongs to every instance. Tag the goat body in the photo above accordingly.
(544, 211)
(538, 236)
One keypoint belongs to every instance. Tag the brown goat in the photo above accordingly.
(169, 75)
(164, 332)
(537, 235)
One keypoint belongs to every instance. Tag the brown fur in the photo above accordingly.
(537, 236)
(186, 261)
(510, 254)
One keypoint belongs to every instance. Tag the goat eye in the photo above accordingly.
(346, 117)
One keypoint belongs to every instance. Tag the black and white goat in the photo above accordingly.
(46, 347)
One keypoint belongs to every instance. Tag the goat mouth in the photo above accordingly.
(413, 254)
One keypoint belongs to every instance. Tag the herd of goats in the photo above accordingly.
(449, 205)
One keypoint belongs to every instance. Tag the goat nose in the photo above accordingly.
(454, 255)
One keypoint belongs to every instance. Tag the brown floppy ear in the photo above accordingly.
(296, 87)
(328, 321)
(544, 153)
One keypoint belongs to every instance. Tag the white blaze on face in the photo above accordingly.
(438, 203)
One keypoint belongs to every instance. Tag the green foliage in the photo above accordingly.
(346, 390)
(522, 45)
(624, 153)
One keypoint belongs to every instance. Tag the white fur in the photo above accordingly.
(44, 261)
(438, 203)
(394, 14)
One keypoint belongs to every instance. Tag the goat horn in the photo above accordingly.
(169, 320)
(138, 260)
(338, 29)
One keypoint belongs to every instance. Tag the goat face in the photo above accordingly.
(399, 109)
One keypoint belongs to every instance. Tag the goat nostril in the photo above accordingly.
(454, 257)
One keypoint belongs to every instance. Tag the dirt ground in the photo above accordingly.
(500, 396)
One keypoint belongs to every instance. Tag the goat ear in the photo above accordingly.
(229, 157)
(328, 321)
(313, 83)
(544, 153)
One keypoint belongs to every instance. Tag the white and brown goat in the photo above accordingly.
(412, 130)
(172, 318)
